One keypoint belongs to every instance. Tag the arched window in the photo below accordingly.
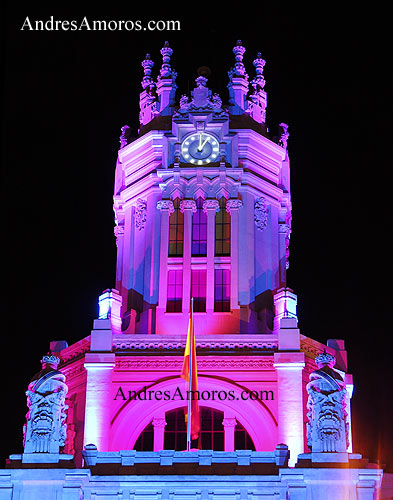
(199, 231)
(145, 439)
(223, 231)
(176, 231)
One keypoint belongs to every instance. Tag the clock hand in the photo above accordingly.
(203, 145)
(200, 147)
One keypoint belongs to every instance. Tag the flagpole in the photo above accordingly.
(190, 376)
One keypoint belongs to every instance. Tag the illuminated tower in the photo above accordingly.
(202, 209)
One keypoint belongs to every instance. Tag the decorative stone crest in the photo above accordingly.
(327, 428)
(140, 213)
(118, 231)
(45, 429)
(261, 213)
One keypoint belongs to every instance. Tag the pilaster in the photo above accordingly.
(99, 364)
(159, 424)
(229, 424)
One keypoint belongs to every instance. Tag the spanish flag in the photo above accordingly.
(185, 374)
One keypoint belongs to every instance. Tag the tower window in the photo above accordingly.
(176, 231)
(175, 291)
(198, 289)
(222, 290)
(223, 231)
(199, 230)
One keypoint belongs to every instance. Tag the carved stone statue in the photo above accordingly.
(45, 430)
(327, 429)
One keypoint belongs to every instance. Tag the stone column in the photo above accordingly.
(187, 207)
(233, 207)
(229, 424)
(210, 207)
(159, 424)
(166, 208)
(289, 367)
(99, 364)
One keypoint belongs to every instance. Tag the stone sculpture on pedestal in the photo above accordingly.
(45, 429)
(327, 429)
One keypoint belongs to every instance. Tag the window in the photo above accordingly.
(145, 439)
(176, 231)
(212, 430)
(222, 290)
(175, 434)
(198, 289)
(242, 438)
(199, 230)
(223, 230)
(175, 291)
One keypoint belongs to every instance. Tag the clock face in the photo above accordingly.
(200, 148)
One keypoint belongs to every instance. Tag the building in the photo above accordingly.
(202, 210)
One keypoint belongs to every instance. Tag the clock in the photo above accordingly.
(200, 148)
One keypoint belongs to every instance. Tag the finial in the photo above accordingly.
(51, 360)
(239, 69)
(201, 81)
(258, 82)
(325, 359)
(147, 65)
(166, 70)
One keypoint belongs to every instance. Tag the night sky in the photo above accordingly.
(67, 94)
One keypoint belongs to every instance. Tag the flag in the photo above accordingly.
(185, 374)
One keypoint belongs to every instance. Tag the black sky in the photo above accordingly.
(67, 94)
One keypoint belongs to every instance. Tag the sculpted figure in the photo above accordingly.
(327, 429)
(45, 429)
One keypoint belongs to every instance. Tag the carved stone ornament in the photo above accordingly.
(45, 429)
(261, 213)
(327, 427)
(166, 205)
(140, 213)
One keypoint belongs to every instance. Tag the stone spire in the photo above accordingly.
(166, 70)
(166, 86)
(147, 65)
(238, 82)
(148, 97)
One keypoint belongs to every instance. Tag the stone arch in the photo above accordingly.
(253, 415)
